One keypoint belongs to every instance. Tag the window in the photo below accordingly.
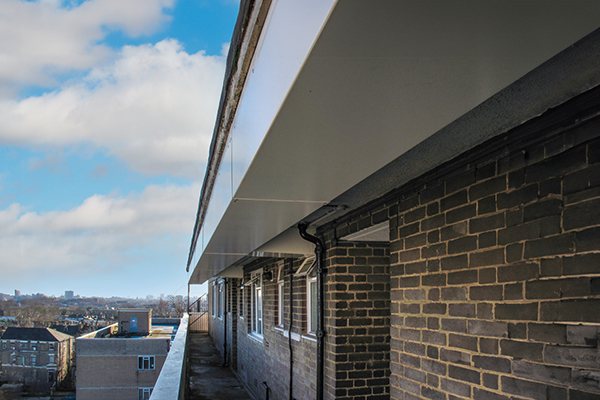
(242, 302)
(51, 346)
(256, 302)
(214, 299)
(145, 362)
(50, 358)
(220, 300)
(33, 360)
(13, 345)
(311, 300)
(51, 376)
(280, 294)
(13, 358)
(4, 345)
(23, 345)
(144, 393)
(34, 346)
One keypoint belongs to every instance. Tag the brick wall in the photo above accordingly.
(496, 268)
(488, 289)
(357, 321)
(266, 359)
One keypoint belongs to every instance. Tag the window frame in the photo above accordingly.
(256, 304)
(214, 299)
(51, 358)
(146, 362)
(242, 302)
(142, 392)
(281, 295)
(311, 290)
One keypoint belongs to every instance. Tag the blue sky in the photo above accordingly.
(106, 113)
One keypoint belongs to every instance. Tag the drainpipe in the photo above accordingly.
(319, 254)
(291, 271)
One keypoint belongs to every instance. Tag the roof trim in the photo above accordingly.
(251, 19)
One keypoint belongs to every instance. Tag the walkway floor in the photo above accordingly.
(208, 379)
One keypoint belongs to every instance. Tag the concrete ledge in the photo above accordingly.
(171, 381)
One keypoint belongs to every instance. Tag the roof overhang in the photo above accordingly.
(340, 90)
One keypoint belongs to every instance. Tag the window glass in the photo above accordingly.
(280, 305)
(256, 300)
(242, 302)
(144, 393)
(311, 296)
(145, 362)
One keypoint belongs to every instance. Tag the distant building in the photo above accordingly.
(17, 293)
(37, 358)
(69, 295)
(123, 361)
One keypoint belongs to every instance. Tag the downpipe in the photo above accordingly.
(319, 257)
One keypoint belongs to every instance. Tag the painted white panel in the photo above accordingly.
(288, 36)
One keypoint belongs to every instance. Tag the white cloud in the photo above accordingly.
(42, 37)
(154, 107)
(114, 230)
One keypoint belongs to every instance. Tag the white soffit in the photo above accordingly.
(383, 76)
(375, 233)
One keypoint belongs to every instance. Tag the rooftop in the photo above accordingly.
(40, 334)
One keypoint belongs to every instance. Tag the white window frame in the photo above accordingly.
(214, 299)
(146, 363)
(311, 289)
(256, 303)
(51, 359)
(220, 300)
(281, 295)
(311, 326)
(143, 391)
(242, 302)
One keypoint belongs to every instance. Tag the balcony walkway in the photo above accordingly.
(208, 380)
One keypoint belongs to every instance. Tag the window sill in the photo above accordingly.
(256, 337)
(310, 337)
(286, 333)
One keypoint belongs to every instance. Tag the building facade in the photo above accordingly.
(418, 216)
(38, 358)
(122, 361)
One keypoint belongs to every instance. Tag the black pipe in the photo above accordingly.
(291, 272)
(225, 363)
(266, 390)
(319, 252)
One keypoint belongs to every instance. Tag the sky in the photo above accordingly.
(107, 109)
